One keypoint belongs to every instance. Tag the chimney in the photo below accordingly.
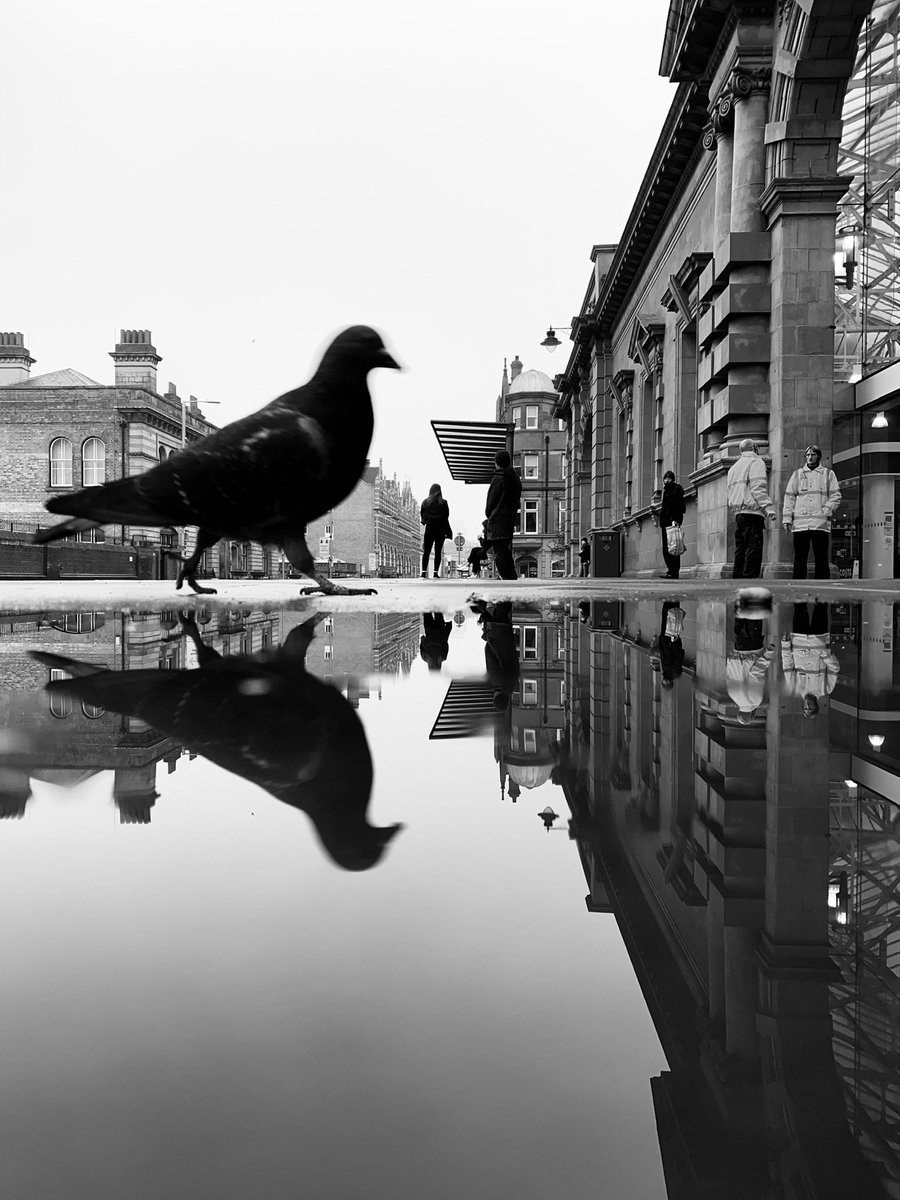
(136, 360)
(515, 368)
(15, 361)
(195, 407)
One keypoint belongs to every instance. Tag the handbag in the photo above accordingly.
(675, 540)
(674, 622)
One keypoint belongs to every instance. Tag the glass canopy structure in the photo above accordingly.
(867, 266)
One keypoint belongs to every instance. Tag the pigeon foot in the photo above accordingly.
(337, 589)
(186, 577)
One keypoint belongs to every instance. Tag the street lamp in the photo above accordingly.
(551, 341)
(548, 816)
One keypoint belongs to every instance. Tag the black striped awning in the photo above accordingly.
(468, 710)
(469, 447)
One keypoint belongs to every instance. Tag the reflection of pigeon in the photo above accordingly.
(260, 479)
(266, 719)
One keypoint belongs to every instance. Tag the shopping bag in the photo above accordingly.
(675, 539)
(674, 622)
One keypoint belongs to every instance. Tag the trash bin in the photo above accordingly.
(606, 559)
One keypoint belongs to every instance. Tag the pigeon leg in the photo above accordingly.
(205, 654)
(298, 556)
(188, 572)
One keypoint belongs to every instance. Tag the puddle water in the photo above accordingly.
(535, 900)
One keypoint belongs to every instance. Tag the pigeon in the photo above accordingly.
(264, 718)
(261, 478)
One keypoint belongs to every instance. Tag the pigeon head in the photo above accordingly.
(359, 346)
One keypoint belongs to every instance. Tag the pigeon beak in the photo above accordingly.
(385, 360)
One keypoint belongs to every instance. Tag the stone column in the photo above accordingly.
(748, 327)
(801, 215)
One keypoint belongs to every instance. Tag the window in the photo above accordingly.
(329, 653)
(517, 418)
(60, 705)
(561, 516)
(558, 568)
(526, 640)
(530, 466)
(532, 413)
(91, 535)
(527, 568)
(328, 625)
(329, 531)
(92, 710)
(529, 741)
(60, 463)
(93, 462)
(529, 516)
(529, 697)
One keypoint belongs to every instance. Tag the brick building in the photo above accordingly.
(527, 401)
(63, 430)
(376, 530)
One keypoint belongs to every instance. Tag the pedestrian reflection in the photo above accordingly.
(747, 666)
(435, 644)
(264, 718)
(810, 667)
(671, 647)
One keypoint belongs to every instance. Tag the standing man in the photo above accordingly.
(584, 555)
(501, 511)
(810, 501)
(671, 512)
(749, 500)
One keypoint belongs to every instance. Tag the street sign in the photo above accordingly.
(459, 541)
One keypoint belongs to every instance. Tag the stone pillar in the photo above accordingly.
(801, 215)
(748, 327)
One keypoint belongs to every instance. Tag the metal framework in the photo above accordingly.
(867, 292)
(865, 1004)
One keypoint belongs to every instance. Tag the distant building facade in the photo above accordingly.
(63, 431)
(376, 530)
(528, 401)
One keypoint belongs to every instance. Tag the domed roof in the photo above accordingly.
(531, 776)
(531, 381)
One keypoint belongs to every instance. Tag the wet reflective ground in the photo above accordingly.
(523, 900)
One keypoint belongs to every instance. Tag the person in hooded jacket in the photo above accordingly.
(749, 500)
(810, 501)
(435, 513)
(810, 666)
(501, 511)
(671, 512)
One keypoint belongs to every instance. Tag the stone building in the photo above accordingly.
(376, 530)
(527, 402)
(63, 430)
(713, 318)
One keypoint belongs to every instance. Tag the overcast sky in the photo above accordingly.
(245, 180)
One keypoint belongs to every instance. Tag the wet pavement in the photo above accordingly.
(445, 893)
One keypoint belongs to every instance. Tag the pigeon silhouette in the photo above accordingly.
(264, 718)
(261, 478)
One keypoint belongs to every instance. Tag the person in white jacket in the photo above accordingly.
(810, 667)
(810, 501)
(749, 500)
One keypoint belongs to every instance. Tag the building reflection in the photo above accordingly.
(58, 739)
(746, 842)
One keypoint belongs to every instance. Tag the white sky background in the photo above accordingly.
(245, 180)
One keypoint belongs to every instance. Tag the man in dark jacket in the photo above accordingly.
(671, 512)
(501, 510)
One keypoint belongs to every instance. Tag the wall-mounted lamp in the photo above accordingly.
(879, 421)
(548, 816)
(846, 257)
(551, 341)
(876, 740)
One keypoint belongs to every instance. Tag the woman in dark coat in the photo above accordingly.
(671, 512)
(436, 519)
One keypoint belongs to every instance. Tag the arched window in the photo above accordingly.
(61, 705)
(93, 462)
(92, 710)
(61, 462)
(163, 453)
(527, 568)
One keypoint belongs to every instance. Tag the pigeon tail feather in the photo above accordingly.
(63, 530)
